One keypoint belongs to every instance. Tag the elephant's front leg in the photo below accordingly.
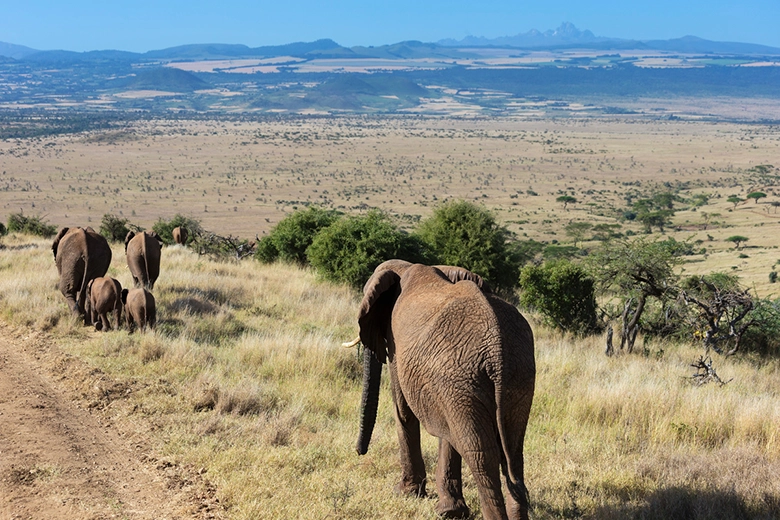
(408, 428)
(449, 483)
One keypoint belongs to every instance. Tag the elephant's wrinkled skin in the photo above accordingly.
(143, 252)
(140, 308)
(104, 296)
(81, 255)
(180, 235)
(461, 363)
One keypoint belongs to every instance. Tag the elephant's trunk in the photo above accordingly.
(372, 372)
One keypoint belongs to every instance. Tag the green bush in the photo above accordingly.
(18, 223)
(115, 228)
(464, 234)
(290, 238)
(164, 228)
(350, 249)
(563, 293)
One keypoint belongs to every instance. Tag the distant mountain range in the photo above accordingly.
(565, 36)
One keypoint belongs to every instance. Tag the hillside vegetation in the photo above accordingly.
(245, 378)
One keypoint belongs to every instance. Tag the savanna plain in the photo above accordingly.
(244, 384)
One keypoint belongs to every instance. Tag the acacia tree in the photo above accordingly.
(566, 200)
(737, 240)
(723, 310)
(633, 271)
(756, 195)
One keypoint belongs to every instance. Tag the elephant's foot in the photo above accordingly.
(411, 488)
(449, 507)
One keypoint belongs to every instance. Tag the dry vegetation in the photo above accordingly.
(246, 380)
(241, 178)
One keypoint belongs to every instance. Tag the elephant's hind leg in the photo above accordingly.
(449, 483)
(104, 321)
(483, 456)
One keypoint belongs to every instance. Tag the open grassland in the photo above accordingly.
(242, 177)
(245, 379)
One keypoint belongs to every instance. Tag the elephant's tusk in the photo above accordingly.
(351, 343)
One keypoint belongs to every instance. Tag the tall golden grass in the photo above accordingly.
(245, 379)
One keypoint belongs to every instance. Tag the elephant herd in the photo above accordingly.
(83, 257)
(460, 359)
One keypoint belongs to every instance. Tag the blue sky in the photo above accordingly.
(142, 25)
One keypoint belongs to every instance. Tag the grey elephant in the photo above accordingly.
(180, 235)
(81, 255)
(104, 296)
(461, 363)
(140, 308)
(143, 252)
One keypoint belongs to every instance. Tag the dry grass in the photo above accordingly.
(245, 378)
(241, 178)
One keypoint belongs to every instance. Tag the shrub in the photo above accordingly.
(3, 230)
(165, 228)
(290, 238)
(350, 249)
(116, 229)
(18, 223)
(563, 293)
(464, 234)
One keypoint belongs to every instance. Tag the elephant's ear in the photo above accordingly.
(456, 274)
(128, 238)
(56, 243)
(379, 296)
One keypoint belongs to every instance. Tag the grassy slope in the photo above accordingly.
(245, 378)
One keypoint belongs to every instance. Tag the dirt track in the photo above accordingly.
(62, 456)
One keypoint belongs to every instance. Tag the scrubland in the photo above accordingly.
(241, 176)
(245, 379)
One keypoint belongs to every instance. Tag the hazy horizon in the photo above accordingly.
(83, 25)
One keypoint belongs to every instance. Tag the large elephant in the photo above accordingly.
(461, 362)
(104, 295)
(143, 252)
(180, 235)
(81, 255)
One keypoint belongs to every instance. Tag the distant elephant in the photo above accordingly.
(140, 308)
(104, 295)
(143, 252)
(461, 362)
(81, 255)
(180, 235)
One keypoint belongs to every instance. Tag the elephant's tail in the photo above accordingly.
(83, 296)
(511, 441)
(146, 278)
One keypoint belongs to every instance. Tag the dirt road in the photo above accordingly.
(62, 456)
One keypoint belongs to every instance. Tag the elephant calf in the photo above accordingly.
(104, 296)
(140, 308)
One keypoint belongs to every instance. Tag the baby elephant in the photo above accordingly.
(140, 309)
(104, 296)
